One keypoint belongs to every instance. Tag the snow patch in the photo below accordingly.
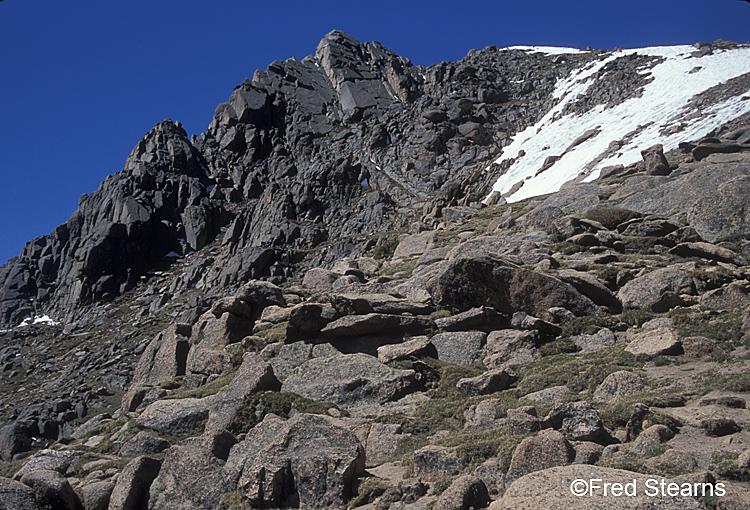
(637, 123)
(44, 319)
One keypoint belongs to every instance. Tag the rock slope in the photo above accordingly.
(343, 329)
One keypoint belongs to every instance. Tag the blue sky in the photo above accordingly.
(83, 81)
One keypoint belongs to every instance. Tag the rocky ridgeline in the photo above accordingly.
(333, 151)
(298, 355)
(598, 332)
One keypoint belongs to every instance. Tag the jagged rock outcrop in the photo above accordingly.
(307, 151)
(157, 205)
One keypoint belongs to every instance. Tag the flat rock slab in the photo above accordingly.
(654, 342)
(550, 489)
(420, 347)
(376, 324)
(350, 380)
(658, 290)
(178, 417)
(708, 251)
(459, 347)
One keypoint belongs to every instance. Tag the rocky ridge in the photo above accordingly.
(485, 351)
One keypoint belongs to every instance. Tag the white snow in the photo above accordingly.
(44, 319)
(664, 103)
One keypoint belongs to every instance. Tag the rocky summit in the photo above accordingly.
(370, 284)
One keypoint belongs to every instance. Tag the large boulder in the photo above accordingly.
(415, 244)
(52, 488)
(560, 488)
(165, 357)
(144, 443)
(547, 449)
(350, 380)
(191, 474)
(131, 490)
(656, 341)
(489, 280)
(724, 212)
(655, 161)
(254, 375)
(617, 385)
(53, 460)
(510, 346)
(466, 492)
(309, 461)
(178, 417)
(16, 496)
(459, 347)
(659, 290)
(15, 438)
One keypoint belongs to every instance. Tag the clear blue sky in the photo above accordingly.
(83, 81)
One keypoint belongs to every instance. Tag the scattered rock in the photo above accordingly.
(350, 380)
(462, 348)
(313, 458)
(466, 492)
(489, 382)
(547, 449)
(617, 385)
(655, 342)
(432, 463)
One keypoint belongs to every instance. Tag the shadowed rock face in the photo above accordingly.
(306, 152)
(158, 204)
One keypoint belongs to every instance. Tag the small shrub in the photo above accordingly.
(368, 490)
(473, 448)
(274, 334)
(637, 316)
(617, 413)
(719, 427)
(733, 402)
(440, 314)
(561, 345)
(724, 464)
(385, 250)
(725, 327)
(406, 267)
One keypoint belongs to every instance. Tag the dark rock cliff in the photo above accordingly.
(354, 140)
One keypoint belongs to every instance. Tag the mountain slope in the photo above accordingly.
(252, 317)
